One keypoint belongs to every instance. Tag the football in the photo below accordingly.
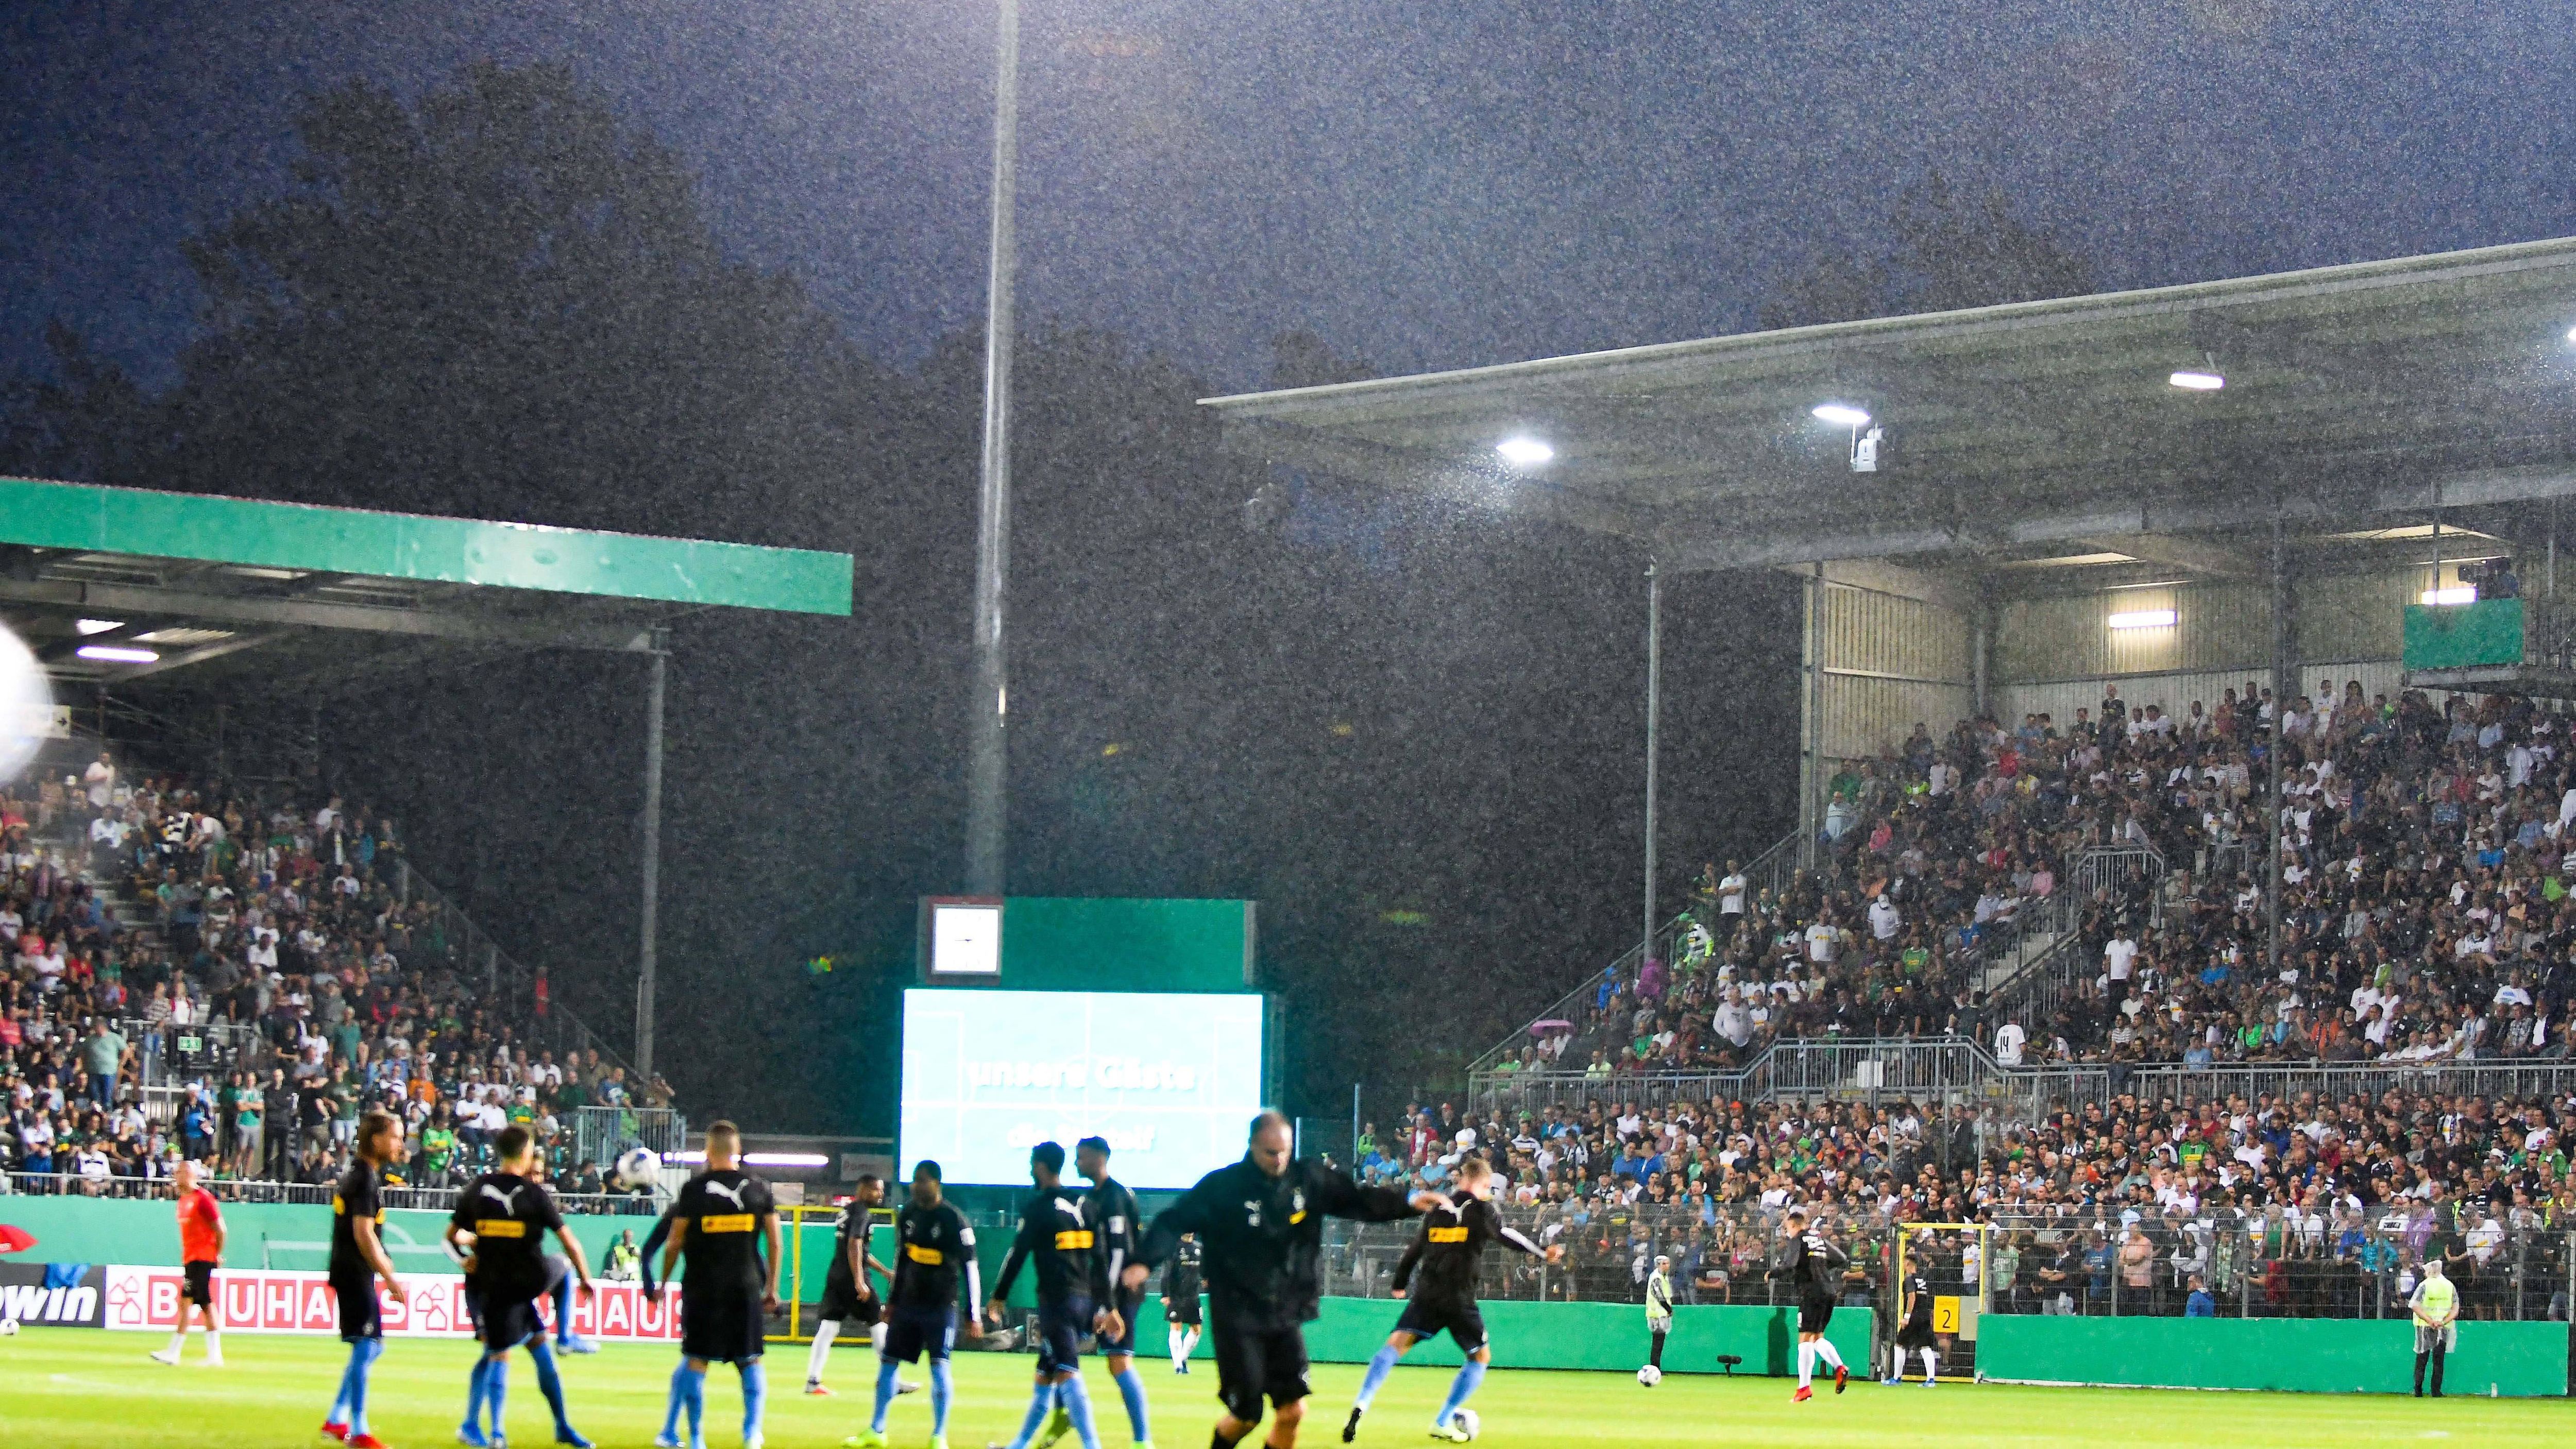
(1650, 1376)
(636, 1167)
(1466, 1422)
(8, 1327)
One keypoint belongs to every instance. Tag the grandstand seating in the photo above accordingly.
(235, 976)
(2066, 927)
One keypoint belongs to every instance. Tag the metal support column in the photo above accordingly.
(1811, 764)
(2282, 684)
(648, 948)
(1654, 726)
(1981, 625)
(988, 762)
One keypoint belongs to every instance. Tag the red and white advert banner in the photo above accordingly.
(271, 1301)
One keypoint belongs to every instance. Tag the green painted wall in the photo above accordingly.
(1065, 943)
(2303, 1354)
(413, 546)
(1607, 1336)
(2463, 635)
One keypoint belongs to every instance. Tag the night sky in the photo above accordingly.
(1379, 710)
(1423, 185)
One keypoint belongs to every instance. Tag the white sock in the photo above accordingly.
(215, 1343)
(1829, 1353)
(178, 1341)
(1931, 1368)
(1180, 1350)
(1189, 1342)
(824, 1331)
(876, 1337)
(1806, 1364)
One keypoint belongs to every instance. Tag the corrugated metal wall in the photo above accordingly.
(2220, 627)
(2175, 692)
(1889, 661)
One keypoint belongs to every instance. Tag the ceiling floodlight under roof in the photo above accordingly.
(1524, 452)
(2144, 619)
(2456, 594)
(2194, 380)
(1841, 415)
(118, 654)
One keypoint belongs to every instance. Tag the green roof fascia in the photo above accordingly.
(308, 538)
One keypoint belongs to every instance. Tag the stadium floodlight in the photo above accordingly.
(96, 626)
(2454, 595)
(1841, 415)
(1524, 451)
(2571, 334)
(2144, 619)
(2193, 379)
(118, 654)
(763, 1159)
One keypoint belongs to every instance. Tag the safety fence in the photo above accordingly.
(123, 1188)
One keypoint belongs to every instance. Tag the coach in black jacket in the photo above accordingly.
(1261, 1226)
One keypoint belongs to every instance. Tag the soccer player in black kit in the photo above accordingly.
(1260, 1224)
(1814, 1269)
(1181, 1289)
(722, 1221)
(507, 1213)
(1446, 1254)
(848, 1296)
(358, 1264)
(935, 1247)
(1061, 1238)
(1915, 1330)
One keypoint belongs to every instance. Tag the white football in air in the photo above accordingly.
(636, 1166)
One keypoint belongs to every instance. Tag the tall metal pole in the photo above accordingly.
(988, 765)
(1654, 727)
(2280, 710)
(649, 946)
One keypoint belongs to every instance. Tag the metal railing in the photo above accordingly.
(309, 1194)
(1952, 1070)
(599, 1134)
(508, 988)
(2271, 1264)
(2265, 1265)
(1768, 876)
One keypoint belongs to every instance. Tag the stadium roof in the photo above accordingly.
(318, 597)
(2031, 433)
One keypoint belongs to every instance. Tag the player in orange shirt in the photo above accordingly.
(201, 1249)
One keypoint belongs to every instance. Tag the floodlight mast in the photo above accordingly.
(988, 746)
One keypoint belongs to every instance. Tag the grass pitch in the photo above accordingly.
(84, 1387)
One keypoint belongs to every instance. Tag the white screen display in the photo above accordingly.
(966, 940)
(1171, 1080)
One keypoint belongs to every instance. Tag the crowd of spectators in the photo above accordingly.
(2424, 911)
(2265, 1207)
(266, 970)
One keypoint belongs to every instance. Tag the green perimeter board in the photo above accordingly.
(2307, 1355)
(416, 546)
(1068, 943)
